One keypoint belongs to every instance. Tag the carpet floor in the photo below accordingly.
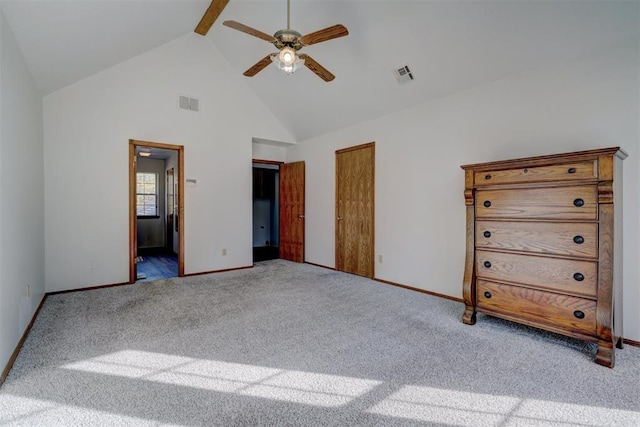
(285, 344)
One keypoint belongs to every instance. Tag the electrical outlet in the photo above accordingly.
(380, 258)
(224, 252)
(28, 291)
(94, 264)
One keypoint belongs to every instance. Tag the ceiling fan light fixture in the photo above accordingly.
(287, 56)
(287, 60)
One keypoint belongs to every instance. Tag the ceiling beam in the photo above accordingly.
(213, 11)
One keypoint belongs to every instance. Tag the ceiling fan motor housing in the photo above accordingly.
(288, 38)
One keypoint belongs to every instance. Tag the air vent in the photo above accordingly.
(403, 74)
(187, 103)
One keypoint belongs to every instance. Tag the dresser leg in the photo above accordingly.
(469, 316)
(620, 343)
(606, 354)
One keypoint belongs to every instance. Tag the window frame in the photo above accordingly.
(156, 194)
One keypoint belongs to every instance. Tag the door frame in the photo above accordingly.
(280, 164)
(133, 222)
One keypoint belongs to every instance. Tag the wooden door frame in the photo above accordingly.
(373, 204)
(267, 162)
(280, 164)
(133, 223)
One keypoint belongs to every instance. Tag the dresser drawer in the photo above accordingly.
(577, 277)
(567, 312)
(569, 239)
(571, 202)
(563, 172)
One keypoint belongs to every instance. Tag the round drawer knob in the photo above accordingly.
(487, 294)
(487, 234)
(487, 203)
(578, 277)
(579, 314)
(487, 177)
(571, 170)
(578, 239)
(578, 203)
(487, 264)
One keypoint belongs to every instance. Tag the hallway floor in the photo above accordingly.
(156, 264)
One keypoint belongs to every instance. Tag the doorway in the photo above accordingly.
(156, 211)
(278, 210)
(266, 192)
(355, 172)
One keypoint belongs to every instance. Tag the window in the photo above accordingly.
(146, 194)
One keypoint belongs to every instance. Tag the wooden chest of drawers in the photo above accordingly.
(544, 244)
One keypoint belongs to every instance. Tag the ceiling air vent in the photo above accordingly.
(187, 103)
(403, 74)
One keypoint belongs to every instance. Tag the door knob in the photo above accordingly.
(339, 218)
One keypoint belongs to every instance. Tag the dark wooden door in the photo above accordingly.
(355, 168)
(292, 211)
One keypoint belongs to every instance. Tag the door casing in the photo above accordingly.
(133, 223)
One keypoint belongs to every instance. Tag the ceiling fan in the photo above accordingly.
(289, 42)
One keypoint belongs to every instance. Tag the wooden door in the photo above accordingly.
(355, 168)
(292, 211)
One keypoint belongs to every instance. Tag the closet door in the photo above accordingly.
(355, 171)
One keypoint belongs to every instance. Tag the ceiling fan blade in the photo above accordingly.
(210, 16)
(320, 71)
(329, 33)
(252, 31)
(259, 66)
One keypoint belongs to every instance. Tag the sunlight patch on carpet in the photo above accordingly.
(247, 380)
(463, 408)
(29, 411)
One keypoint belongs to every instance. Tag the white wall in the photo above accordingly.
(420, 214)
(152, 231)
(268, 152)
(21, 195)
(87, 208)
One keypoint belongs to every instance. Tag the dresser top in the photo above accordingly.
(547, 160)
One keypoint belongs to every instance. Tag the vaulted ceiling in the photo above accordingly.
(450, 45)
